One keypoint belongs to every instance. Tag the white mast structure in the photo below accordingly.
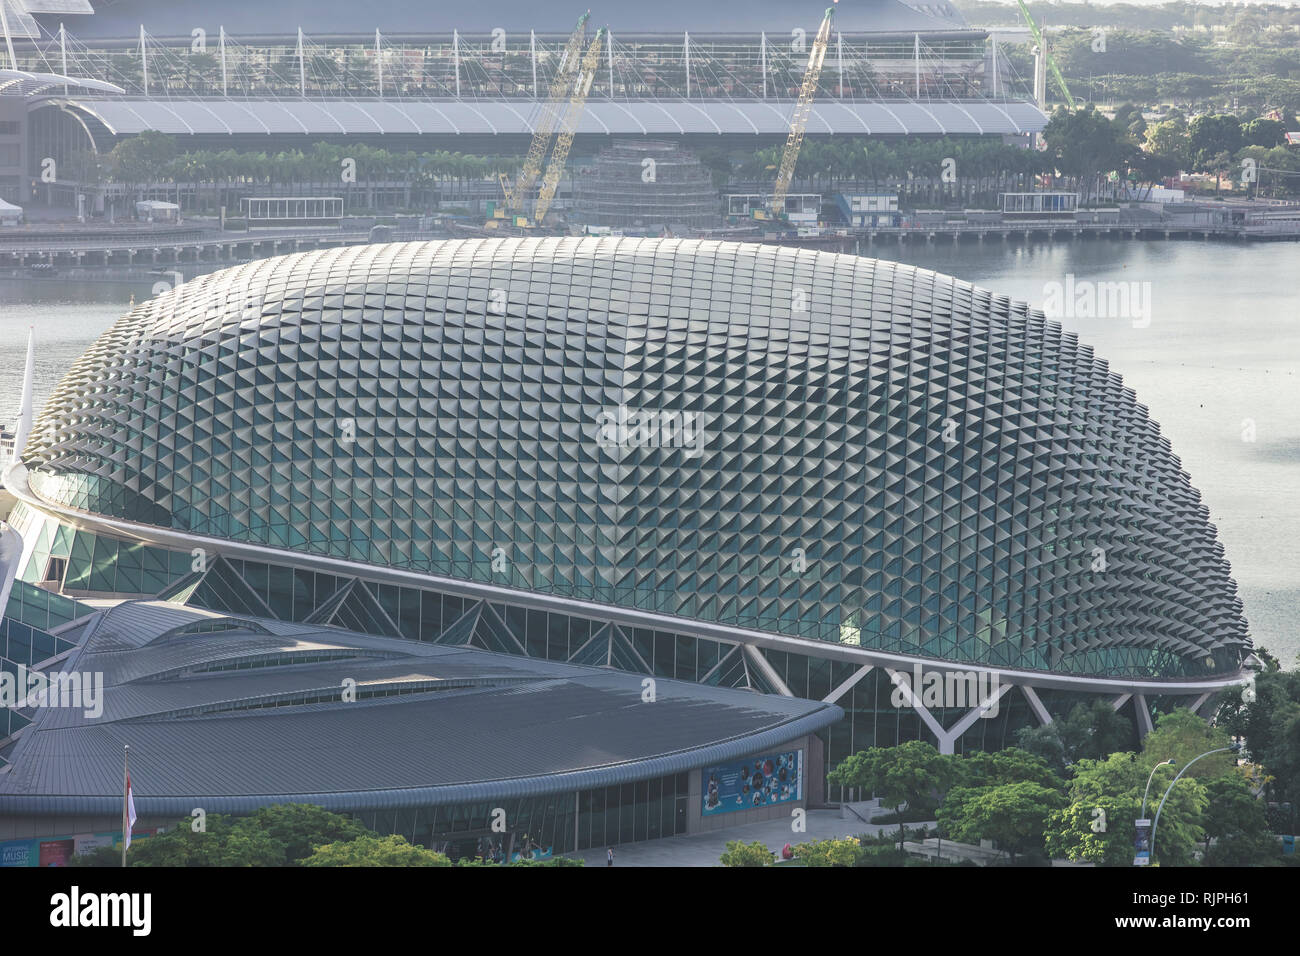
(24, 426)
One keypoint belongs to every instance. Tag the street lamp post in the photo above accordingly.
(1163, 763)
(1142, 825)
(1218, 750)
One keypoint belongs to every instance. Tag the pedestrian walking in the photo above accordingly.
(609, 856)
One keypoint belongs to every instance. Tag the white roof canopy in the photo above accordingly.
(622, 118)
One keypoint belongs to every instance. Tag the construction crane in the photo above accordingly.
(1047, 55)
(545, 128)
(577, 101)
(802, 110)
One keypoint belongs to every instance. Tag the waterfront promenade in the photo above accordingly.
(71, 245)
(133, 247)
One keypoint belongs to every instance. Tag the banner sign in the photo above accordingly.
(58, 851)
(1142, 843)
(753, 782)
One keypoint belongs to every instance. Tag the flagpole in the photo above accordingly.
(126, 776)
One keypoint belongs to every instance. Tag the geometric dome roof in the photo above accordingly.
(811, 444)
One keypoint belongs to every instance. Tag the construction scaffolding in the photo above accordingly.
(645, 184)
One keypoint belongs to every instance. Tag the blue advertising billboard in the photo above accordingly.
(58, 851)
(753, 782)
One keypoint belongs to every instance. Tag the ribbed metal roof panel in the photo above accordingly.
(529, 727)
(615, 118)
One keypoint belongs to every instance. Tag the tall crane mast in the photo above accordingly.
(1047, 54)
(802, 110)
(545, 129)
(577, 101)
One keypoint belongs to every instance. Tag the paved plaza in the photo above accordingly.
(704, 849)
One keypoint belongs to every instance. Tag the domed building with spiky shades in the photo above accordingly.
(798, 488)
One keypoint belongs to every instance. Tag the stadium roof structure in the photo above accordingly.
(122, 18)
(23, 83)
(607, 117)
(242, 712)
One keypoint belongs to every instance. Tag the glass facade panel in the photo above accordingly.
(246, 588)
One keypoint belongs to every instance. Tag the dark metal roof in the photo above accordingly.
(234, 740)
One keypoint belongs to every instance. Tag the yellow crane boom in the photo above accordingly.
(578, 100)
(545, 128)
(802, 110)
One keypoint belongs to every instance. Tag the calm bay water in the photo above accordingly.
(1222, 348)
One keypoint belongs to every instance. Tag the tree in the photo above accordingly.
(1235, 817)
(1264, 132)
(1115, 786)
(1129, 117)
(1047, 744)
(1168, 139)
(100, 856)
(1220, 164)
(300, 827)
(911, 774)
(1089, 732)
(392, 850)
(200, 66)
(281, 835)
(1085, 146)
(1283, 758)
(1013, 815)
(1268, 718)
(1099, 730)
(913, 168)
(1150, 168)
(223, 842)
(1012, 765)
(1098, 831)
(718, 161)
(828, 852)
(552, 862)
(1210, 136)
(1181, 736)
(747, 854)
(141, 160)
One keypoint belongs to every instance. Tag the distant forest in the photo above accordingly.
(1233, 58)
(1162, 17)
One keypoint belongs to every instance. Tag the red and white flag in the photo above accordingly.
(130, 812)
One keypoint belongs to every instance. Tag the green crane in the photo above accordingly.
(1051, 61)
